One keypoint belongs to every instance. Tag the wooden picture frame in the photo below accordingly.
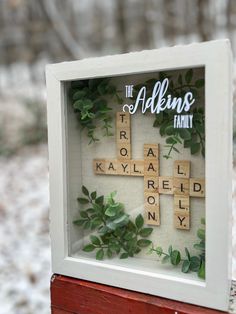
(215, 57)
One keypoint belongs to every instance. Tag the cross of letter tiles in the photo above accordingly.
(180, 185)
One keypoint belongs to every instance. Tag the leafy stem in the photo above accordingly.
(195, 263)
(116, 233)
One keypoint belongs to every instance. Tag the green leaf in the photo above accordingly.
(93, 195)
(85, 191)
(188, 76)
(184, 134)
(79, 222)
(165, 259)
(139, 221)
(99, 200)
(100, 254)
(201, 234)
(159, 250)
(88, 248)
(124, 255)
(201, 271)
(199, 83)
(79, 94)
(180, 80)
(195, 147)
(82, 200)
(195, 263)
(83, 214)
(95, 240)
(144, 243)
(78, 104)
(175, 257)
(199, 246)
(186, 266)
(170, 130)
(170, 250)
(87, 224)
(110, 211)
(187, 253)
(145, 232)
(171, 140)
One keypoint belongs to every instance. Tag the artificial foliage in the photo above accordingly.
(194, 263)
(190, 138)
(116, 232)
(89, 100)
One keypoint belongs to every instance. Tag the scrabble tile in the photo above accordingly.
(152, 216)
(181, 169)
(111, 166)
(122, 119)
(151, 199)
(165, 185)
(151, 167)
(181, 203)
(99, 166)
(123, 167)
(151, 184)
(181, 186)
(181, 221)
(123, 151)
(136, 167)
(151, 151)
(197, 187)
(123, 135)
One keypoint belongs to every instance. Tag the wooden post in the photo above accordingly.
(69, 295)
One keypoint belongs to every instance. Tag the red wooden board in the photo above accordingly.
(69, 295)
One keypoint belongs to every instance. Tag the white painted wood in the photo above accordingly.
(215, 56)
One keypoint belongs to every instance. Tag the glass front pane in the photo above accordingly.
(136, 171)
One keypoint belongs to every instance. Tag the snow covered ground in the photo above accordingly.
(24, 238)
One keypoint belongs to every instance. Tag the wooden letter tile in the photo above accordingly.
(181, 203)
(123, 151)
(111, 166)
(151, 184)
(151, 151)
(136, 167)
(123, 135)
(181, 221)
(152, 215)
(165, 185)
(123, 167)
(151, 199)
(197, 187)
(122, 120)
(151, 167)
(181, 186)
(181, 169)
(99, 166)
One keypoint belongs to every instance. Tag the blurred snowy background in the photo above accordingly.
(37, 32)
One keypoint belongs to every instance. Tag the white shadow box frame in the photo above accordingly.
(215, 57)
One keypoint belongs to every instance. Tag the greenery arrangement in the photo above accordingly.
(189, 263)
(88, 98)
(192, 138)
(117, 233)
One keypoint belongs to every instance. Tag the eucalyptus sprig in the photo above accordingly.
(116, 234)
(88, 98)
(194, 263)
